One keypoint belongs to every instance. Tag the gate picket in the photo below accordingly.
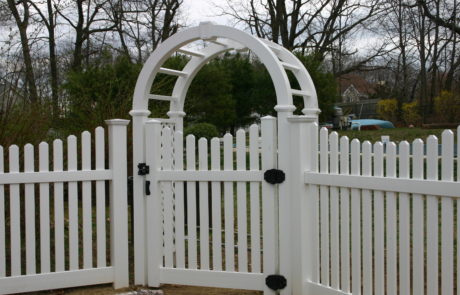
(179, 200)
(204, 206)
(191, 204)
(216, 208)
(241, 203)
(255, 199)
(168, 221)
(228, 206)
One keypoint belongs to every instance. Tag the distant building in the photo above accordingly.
(357, 96)
(354, 88)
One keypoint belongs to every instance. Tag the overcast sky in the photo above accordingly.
(197, 11)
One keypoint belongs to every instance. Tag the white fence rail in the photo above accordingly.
(386, 224)
(53, 220)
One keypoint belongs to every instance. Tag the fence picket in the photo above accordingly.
(255, 199)
(168, 221)
(432, 220)
(391, 230)
(241, 203)
(73, 203)
(86, 199)
(58, 208)
(15, 214)
(179, 200)
(100, 200)
(334, 202)
(355, 221)
(191, 204)
(228, 206)
(379, 225)
(324, 205)
(29, 190)
(447, 225)
(45, 244)
(345, 217)
(204, 205)
(2, 221)
(216, 208)
(404, 222)
(418, 222)
(367, 220)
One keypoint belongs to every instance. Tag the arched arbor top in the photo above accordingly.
(276, 59)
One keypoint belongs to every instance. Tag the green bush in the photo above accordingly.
(447, 107)
(387, 109)
(411, 113)
(200, 130)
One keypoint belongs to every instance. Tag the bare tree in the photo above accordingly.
(146, 23)
(48, 18)
(319, 27)
(449, 23)
(91, 18)
(21, 13)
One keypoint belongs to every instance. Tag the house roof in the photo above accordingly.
(363, 86)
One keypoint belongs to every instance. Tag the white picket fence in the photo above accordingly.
(386, 222)
(46, 234)
(360, 218)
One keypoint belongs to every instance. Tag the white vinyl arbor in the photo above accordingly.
(221, 39)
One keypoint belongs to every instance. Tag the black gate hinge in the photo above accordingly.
(276, 282)
(274, 176)
(143, 169)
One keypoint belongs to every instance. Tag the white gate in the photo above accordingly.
(209, 226)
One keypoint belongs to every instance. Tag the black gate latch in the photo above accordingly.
(143, 169)
(276, 282)
(147, 188)
(274, 176)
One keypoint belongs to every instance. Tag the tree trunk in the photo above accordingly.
(22, 27)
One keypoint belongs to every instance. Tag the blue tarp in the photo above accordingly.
(371, 122)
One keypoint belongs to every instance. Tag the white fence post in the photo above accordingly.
(118, 201)
(139, 219)
(299, 157)
(154, 212)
